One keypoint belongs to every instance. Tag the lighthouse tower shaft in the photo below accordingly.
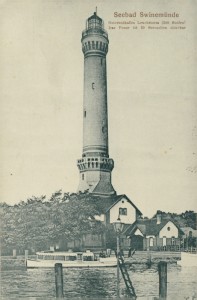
(95, 166)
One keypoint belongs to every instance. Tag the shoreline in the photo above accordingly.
(139, 258)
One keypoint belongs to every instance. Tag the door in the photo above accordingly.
(137, 242)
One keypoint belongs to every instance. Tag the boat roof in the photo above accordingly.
(57, 253)
(88, 253)
(65, 253)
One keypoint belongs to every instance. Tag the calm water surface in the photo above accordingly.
(97, 283)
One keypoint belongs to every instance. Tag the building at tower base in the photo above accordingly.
(110, 209)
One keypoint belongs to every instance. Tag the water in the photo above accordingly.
(97, 283)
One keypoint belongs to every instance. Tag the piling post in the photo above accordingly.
(26, 256)
(59, 281)
(14, 253)
(149, 262)
(162, 267)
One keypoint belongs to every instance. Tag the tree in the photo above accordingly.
(38, 223)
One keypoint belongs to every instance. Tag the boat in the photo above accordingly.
(188, 259)
(70, 260)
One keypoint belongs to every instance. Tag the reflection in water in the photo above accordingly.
(97, 283)
(91, 282)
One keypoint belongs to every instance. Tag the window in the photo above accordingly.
(60, 257)
(173, 241)
(84, 113)
(93, 85)
(168, 228)
(82, 176)
(151, 241)
(122, 211)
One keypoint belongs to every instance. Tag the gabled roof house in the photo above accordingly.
(154, 234)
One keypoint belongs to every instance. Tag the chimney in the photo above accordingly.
(158, 218)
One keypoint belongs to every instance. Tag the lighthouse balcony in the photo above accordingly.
(98, 46)
(95, 163)
(100, 31)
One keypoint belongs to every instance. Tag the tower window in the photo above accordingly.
(93, 85)
(101, 61)
(82, 176)
(84, 113)
(89, 45)
(97, 45)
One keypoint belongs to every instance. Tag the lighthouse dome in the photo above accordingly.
(95, 22)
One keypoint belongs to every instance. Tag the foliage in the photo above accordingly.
(38, 223)
(185, 219)
(110, 237)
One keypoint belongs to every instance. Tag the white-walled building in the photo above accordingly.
(154, 234)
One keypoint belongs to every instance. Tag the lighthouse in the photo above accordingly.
(95, 166)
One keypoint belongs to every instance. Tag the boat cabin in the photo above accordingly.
(88, 256)
(66, 256)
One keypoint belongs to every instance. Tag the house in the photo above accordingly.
(118, 206)
(154, 234)
(110, 209)
(189, 238)
(189, 232)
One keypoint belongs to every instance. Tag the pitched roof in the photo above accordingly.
(187, 230)
(103, 186)
(106, 203)
(119, 197)
(149, 226)
(103, 203)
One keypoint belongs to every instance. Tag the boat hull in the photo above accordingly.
(188, 259)
(30, 263)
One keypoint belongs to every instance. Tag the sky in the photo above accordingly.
(152, 105)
